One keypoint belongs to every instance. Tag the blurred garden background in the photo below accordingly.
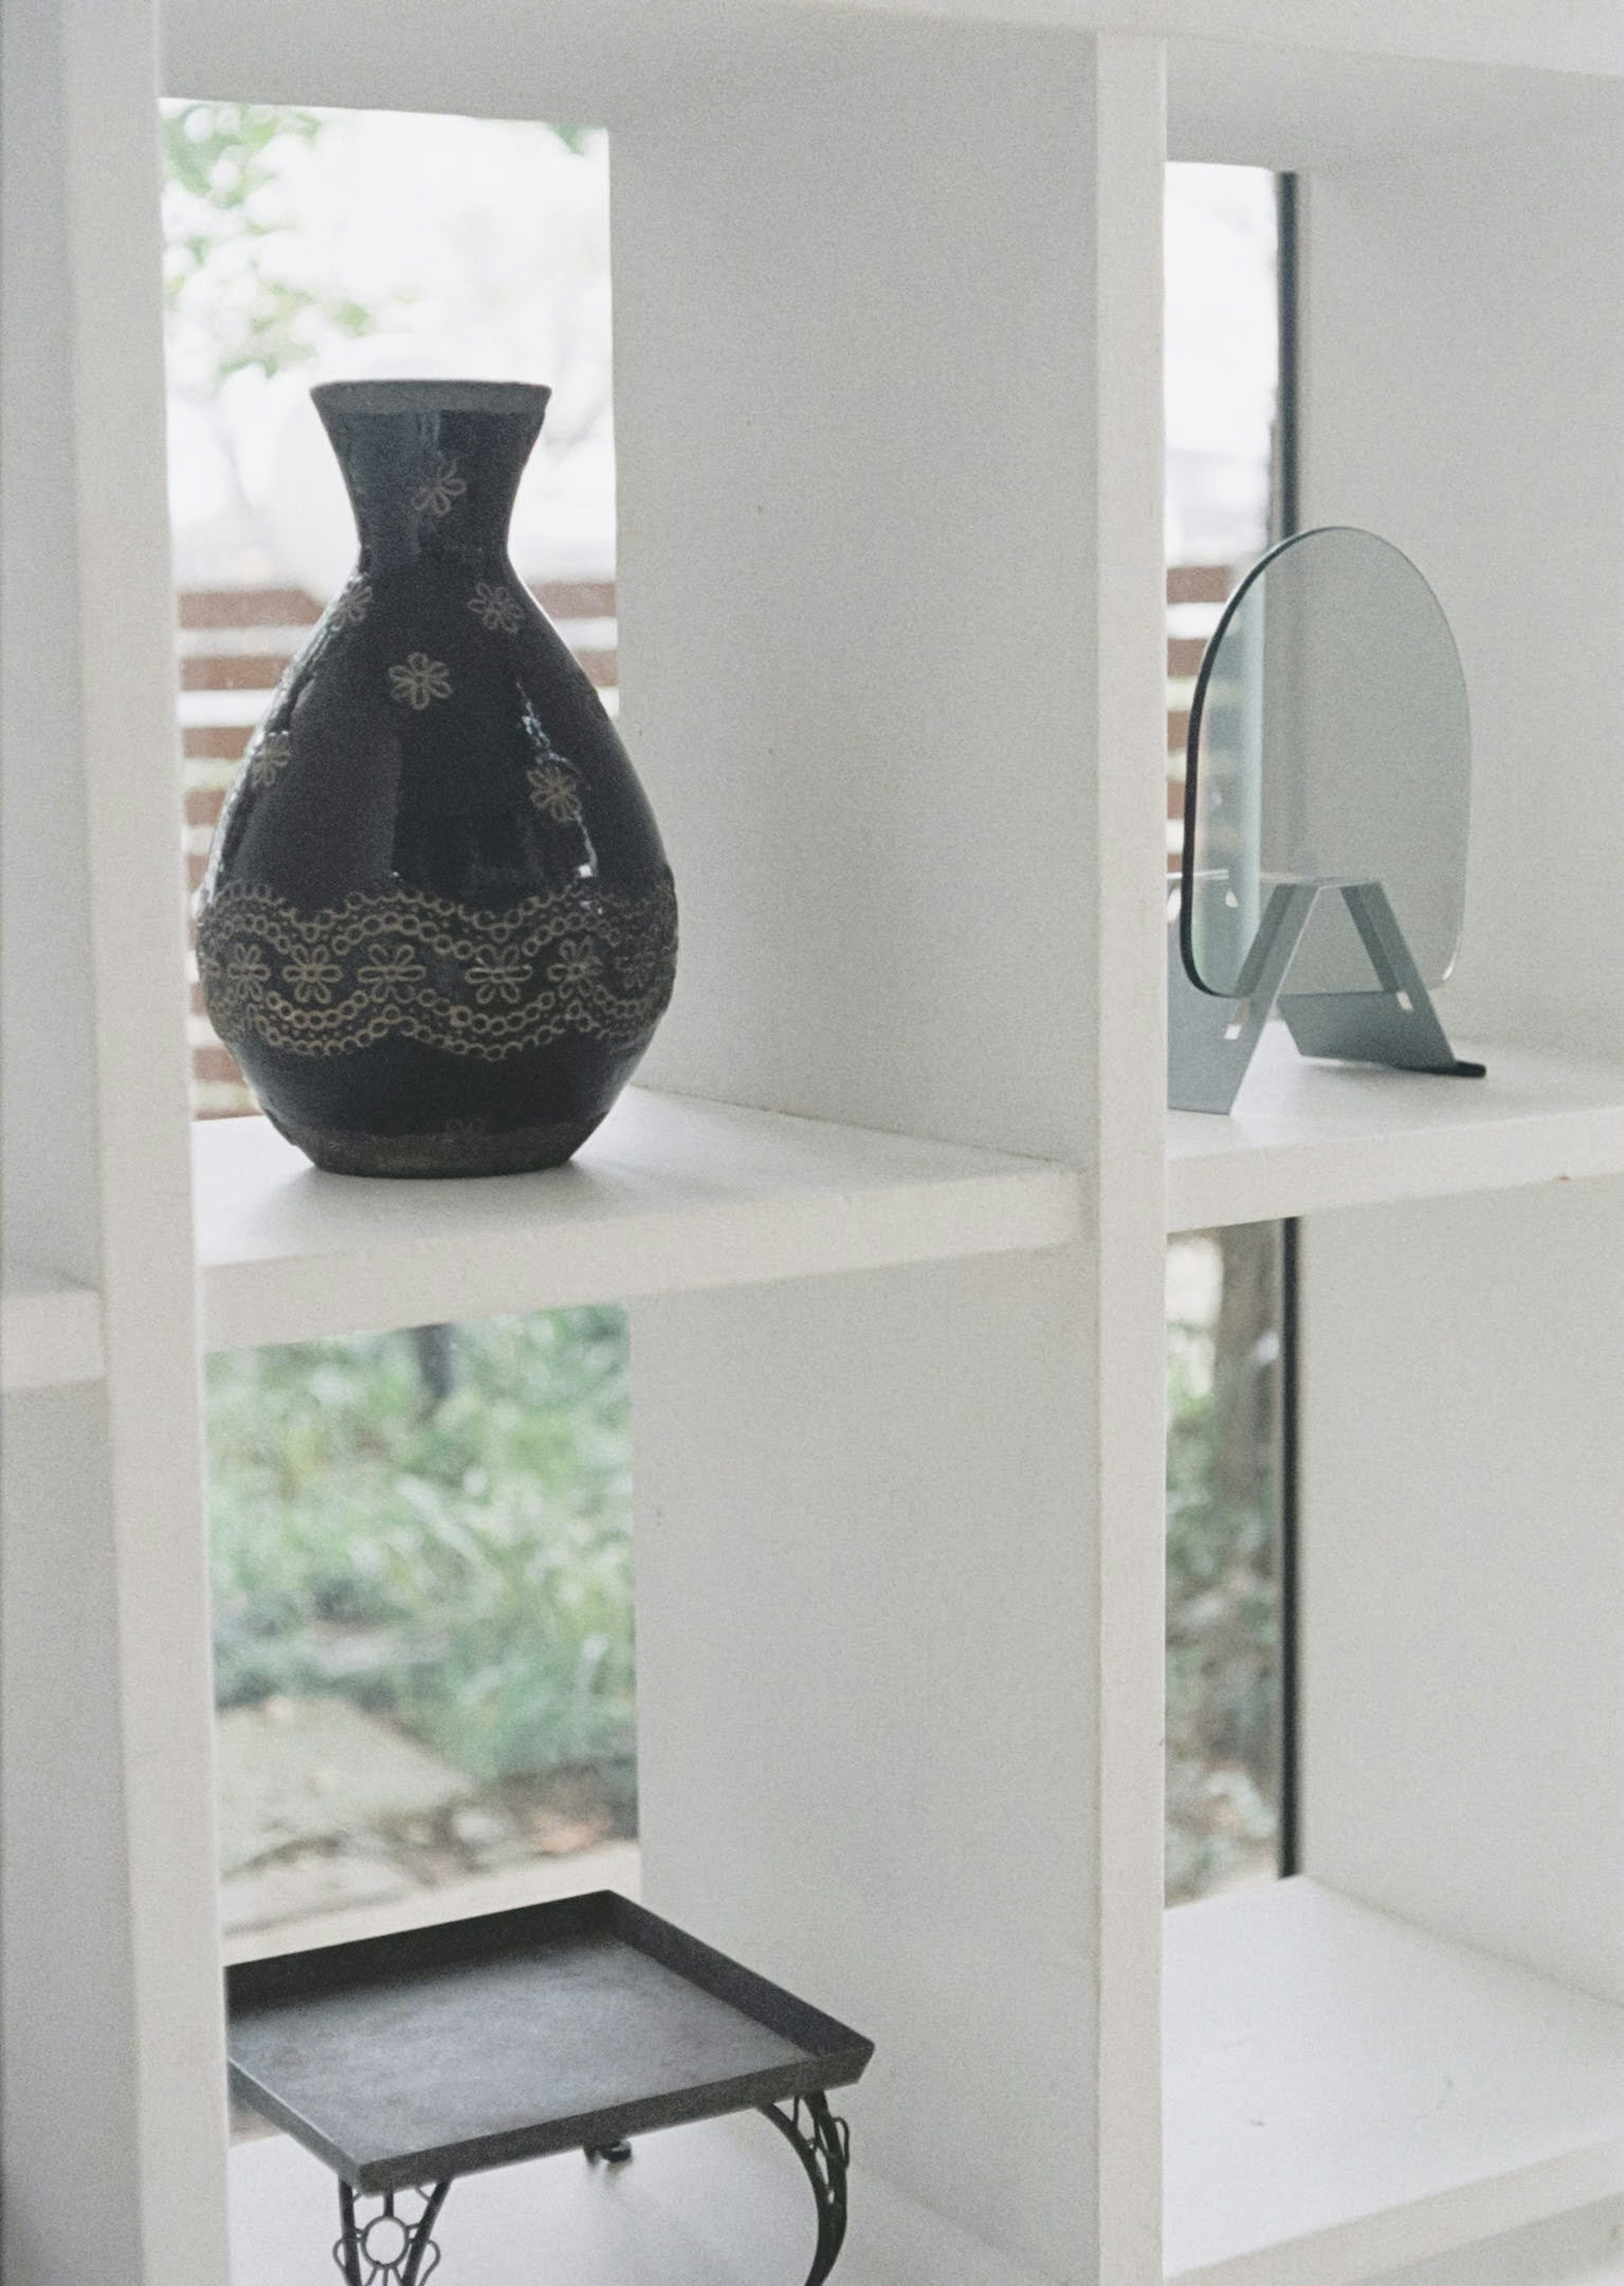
(422, 1602)
(423, 1558)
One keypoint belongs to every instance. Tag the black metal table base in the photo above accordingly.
(395, 2247)
(824, 2145)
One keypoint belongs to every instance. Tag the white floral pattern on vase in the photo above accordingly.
(247, 972)
(496, 607)
(390, 968)
(441, 492)
(578, 960)
(352, 605)
(554, 793)
(499, 972)
(578, 963)
(312, 974)
(270, 758)
(419, 681)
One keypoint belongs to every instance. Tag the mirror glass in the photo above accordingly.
(1329, 738)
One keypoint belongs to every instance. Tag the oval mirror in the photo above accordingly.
(1329, 740)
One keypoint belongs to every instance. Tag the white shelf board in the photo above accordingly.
(341, 43)
(1345, 2094)
(671, 1195)
(1306, 1136)
(721, 2203)
(50, 1329)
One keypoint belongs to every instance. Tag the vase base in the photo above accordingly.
(461, 1152)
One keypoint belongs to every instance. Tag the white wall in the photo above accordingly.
(113, 2107)
(887, 406)
(1463, 1450)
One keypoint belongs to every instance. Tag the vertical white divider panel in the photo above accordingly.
(1463, 1571)
(1463, 1469)
(889, 407)
(114, 2111)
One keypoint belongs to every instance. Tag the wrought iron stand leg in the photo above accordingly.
(823, 2143)
(390, 2248)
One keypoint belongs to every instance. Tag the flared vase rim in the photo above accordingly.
(429, 396)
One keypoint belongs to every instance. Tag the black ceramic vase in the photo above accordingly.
(437, 928)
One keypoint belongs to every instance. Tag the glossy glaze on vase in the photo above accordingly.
(437, 928)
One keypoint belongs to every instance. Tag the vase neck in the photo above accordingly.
(432, 469)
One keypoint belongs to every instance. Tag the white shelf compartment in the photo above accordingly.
(1305, 1136)
(671, 1195)
(721, 2203)
(1346, 2093)
(50, 1329)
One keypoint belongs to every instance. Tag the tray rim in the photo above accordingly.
(837, 2057)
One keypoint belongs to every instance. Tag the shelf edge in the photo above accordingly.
(1278, 1180)
(756, 1243)
(49, 1331)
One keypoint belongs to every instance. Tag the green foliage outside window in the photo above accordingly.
(438, 1525)
(1223, 1613)
(236, 301)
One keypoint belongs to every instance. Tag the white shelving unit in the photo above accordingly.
(49, 1331)
(900, 1557)
(714, 2206)
(670, 1196)
(1346, 2091)
(1308, 1137)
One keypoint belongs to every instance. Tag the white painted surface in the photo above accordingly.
(724, 2203)
(881, 1794)
(1584, 2248)
(613, 65)
(1345, 2092)
(111, 2022)
(50, 1329)
(71, 2050)
(890, 612)
(1126, 1047)
(1240, 99)
(1464, 1570)
(670, 1195)
(1462, 1485)
(1307, 1136)
(1486, 437)
(47, 1101)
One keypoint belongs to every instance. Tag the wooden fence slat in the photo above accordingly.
(291, 607)
(1199, 583)
(210, 1063)
(248, 607)
(236, 670)
(576, 599)
(214, 742)
(603, 668)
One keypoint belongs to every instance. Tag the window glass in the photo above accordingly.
(1224, 1619)
(424, 1643)
(1225, 1300)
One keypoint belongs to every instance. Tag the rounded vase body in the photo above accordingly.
(438, 928)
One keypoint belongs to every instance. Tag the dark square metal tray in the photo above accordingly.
(403, 2059)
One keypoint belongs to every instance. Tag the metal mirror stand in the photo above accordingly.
(395, 2247)
(1212, 1036)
